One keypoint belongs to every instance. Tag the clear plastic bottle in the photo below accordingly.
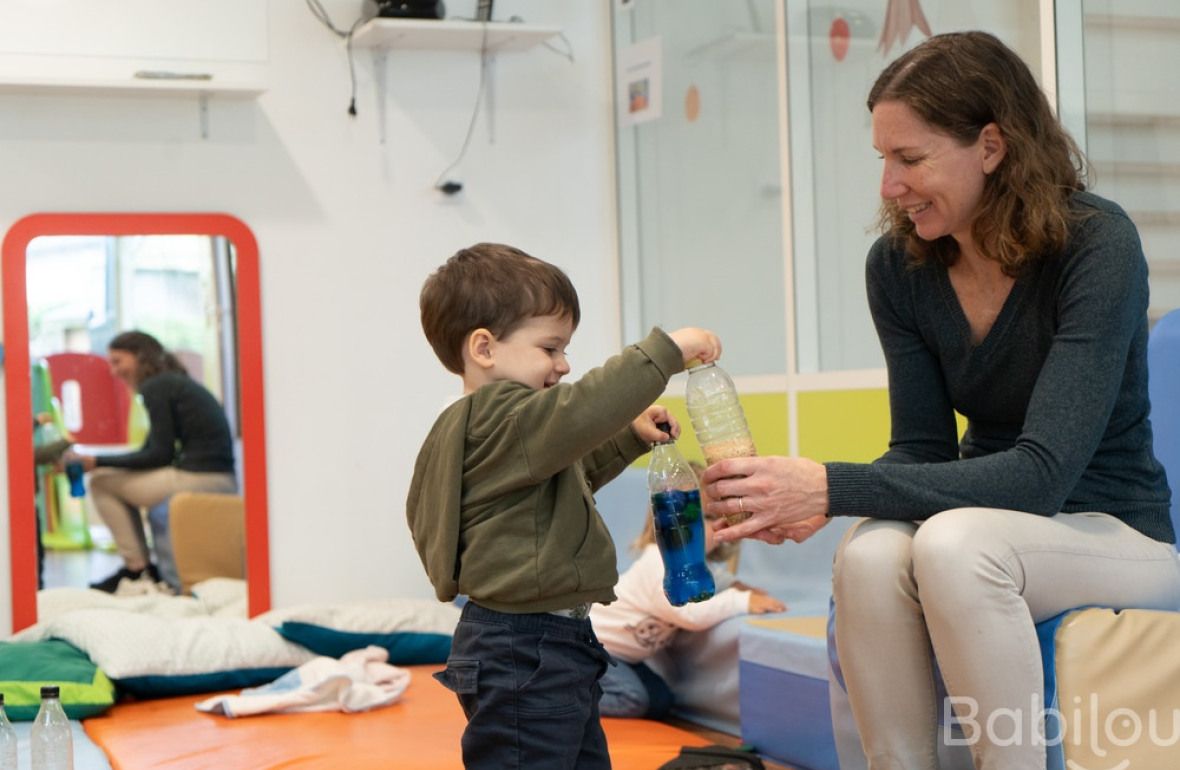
(51, 737)
(717, 418)
(77, 477)
(7, 740)
(679, 524)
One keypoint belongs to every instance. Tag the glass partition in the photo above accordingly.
(834, 53)
(710, 232)
(700, 186)
(1132, 124)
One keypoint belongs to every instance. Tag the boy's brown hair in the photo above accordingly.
(490, 286)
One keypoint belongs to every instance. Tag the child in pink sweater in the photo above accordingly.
(642, 622)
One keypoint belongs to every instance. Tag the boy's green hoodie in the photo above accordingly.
(501, 506)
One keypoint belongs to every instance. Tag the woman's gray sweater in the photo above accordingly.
(1055, 395)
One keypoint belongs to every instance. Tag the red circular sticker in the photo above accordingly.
(838, 37)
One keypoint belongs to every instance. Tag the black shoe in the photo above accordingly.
(111, 583)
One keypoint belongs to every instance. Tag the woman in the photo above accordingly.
(188, 449)
(1004, 291)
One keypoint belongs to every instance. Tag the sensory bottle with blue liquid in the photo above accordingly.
(679, 524)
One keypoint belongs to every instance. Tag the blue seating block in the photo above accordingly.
(162, 544)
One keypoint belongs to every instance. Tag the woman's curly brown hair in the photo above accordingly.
(958, 83)
(150, 355)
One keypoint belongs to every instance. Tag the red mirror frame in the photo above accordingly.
(18, 403)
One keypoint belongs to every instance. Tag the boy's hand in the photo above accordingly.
(700, 344)
(645, 428)
(762, 603)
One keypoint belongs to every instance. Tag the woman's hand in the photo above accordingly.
(786, 497)
(644, 426)
(87, 461)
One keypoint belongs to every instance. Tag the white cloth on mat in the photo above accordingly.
(359, 681)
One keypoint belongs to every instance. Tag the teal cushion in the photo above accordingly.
(404, 647)
(410, 630)
(27, 666)
(168, 685)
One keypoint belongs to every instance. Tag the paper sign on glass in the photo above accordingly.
(640, 82)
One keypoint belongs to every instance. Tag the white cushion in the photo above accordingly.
(372, 615)
(129, 644)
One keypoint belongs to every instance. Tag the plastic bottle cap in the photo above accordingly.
(50, 691)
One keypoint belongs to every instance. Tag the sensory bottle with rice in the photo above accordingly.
(717, 418)
(679, 524)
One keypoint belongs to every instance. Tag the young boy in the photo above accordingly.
(500, 505)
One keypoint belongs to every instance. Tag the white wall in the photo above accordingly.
(348, 227)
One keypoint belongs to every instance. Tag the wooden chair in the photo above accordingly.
(208, 534)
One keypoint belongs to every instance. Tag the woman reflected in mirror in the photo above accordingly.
(189, 448)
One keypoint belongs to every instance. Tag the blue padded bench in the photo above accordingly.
(165, 561)
(784, 691)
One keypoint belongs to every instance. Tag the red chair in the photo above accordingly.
(94, 402)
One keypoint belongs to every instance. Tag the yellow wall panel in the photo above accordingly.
(765, 412)
(849, 425)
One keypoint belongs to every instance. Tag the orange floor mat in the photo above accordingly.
(419, 732)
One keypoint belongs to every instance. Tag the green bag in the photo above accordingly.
(25, 667)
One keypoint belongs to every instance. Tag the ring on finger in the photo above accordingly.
(741, 507)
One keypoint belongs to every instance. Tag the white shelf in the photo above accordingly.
(1133, 119)
(737, 45)
(1136, 168)
(135, 46)
(1164, 24)
(1155, 218)
(128, 86)
(430, 34)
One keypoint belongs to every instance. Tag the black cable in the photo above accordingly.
(317, 10)
(352, 66)
(451, 187)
